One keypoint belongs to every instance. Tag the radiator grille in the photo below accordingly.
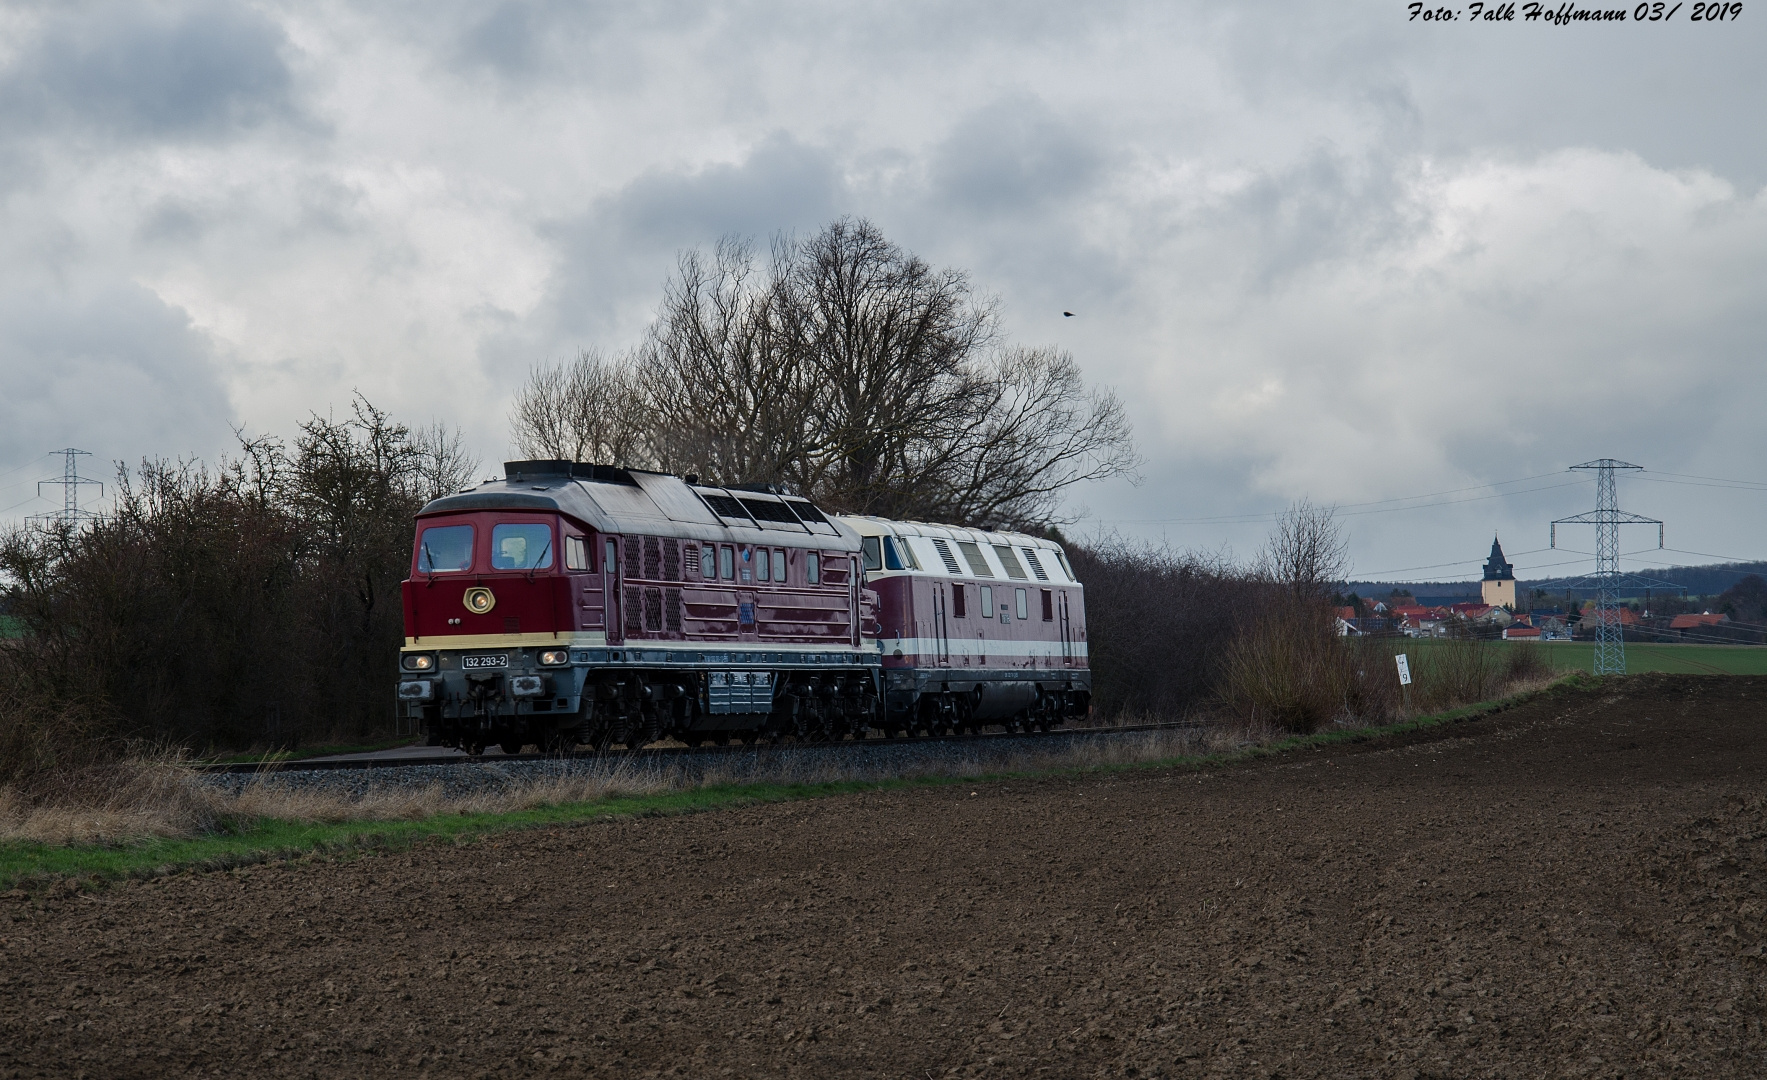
(671, 560)
(672, 610)
(690, 559)
(653, 559)
(634, 620)
(653, 610)
(631, 544)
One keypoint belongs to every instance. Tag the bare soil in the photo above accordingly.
(1574, 887)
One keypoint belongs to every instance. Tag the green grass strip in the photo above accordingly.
(242, 843)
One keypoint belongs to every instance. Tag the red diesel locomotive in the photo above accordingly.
(584, 604)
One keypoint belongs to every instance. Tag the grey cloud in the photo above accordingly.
(144, 72)
(614, 258)
(109, 368)
(1323, 207)
(1014, 156)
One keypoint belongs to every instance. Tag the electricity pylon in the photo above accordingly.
(1610, 637)
(70, 514)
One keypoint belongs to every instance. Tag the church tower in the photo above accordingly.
(1498, 588)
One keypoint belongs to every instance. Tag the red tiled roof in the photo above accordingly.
(1689, 622)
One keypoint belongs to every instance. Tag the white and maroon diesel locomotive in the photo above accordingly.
(574, 604)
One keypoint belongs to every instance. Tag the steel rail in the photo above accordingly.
(334, 764)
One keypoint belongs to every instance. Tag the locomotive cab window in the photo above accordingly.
(445, 549)
(812, 568)
(521, 547)
(779, 566)
(576, 553)
(873, 553)
(892, 554)
(987, 601)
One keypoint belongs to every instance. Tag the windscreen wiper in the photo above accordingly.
(544, 551)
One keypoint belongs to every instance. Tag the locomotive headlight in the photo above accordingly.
(479, 600)
(555, 658)
(421, 661)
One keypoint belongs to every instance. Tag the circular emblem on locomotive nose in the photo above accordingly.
(479, 600)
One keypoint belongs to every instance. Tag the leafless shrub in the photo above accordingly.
(1158, 623)
(249, 604)
(1288, 667)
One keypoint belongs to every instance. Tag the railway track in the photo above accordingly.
(661, 752)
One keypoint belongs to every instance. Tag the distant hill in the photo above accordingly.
(1708, 580)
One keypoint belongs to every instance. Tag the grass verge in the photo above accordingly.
(265, 756)
(240, 842)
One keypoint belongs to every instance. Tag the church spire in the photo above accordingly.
(1496, 569)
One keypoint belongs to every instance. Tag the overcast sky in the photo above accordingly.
(1321, 250)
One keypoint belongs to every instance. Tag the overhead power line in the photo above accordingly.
(1344, 509)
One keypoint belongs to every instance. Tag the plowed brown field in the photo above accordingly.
(1573, 887)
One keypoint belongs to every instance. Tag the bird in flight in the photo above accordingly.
(1067, 314)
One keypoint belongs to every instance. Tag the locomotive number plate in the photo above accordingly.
(500, 660)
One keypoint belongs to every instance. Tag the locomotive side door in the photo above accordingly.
(612, 607)
(939, 627)
(1067, 630)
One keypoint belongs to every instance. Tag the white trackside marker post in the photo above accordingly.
(1404, 677)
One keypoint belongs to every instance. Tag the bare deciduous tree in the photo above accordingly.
(443, 465)
(583, 410)
(724, 396)
(1306, 552)
(849, 370)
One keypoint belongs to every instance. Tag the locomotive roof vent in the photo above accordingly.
(517, 471)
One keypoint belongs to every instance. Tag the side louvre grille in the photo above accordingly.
(653, 559)
(978, 566)
(631, 545)
(672, 610)
(1036, 567)
(653, 610)
(671, 560)
(1014, 569)
(949, 559)
(634, 620)
(690, 560)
